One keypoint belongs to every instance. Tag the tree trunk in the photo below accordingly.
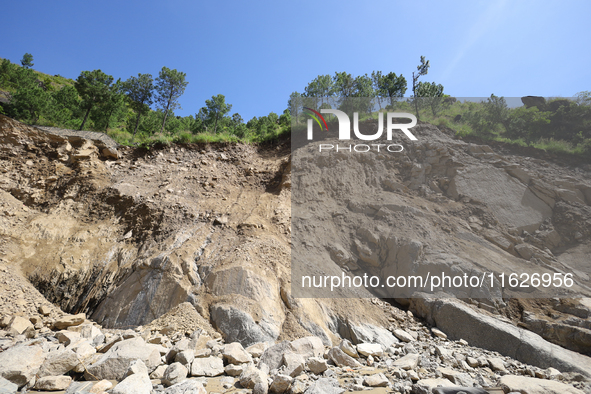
(137, 123)
(85, 117)
(414, 92)
(166, 112)
(215, 127)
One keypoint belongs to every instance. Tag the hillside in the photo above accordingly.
(132, 236)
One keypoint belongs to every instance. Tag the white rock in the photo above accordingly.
(403, 335)
(348, 348)
(317, 365)
(186, 387)
(234, 353)
(376, 380)
(207, 366)
(20, 363)
(526, 385)
(410, 361)
(294, 364)
(175, 373)
(138, 383)
(53, 383)
(58, 363)
(280, 383)
(373, 349)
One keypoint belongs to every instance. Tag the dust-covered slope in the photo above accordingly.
(127, 240)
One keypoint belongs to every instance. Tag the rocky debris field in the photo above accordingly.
(169, 270)
(71, 353)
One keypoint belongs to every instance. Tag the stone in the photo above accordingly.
(53, 383)
(257, 349)
(426, 386)
(372, 334)
(83, 350)
(403, 335)
(438, 333)
(185, 357)
(347, 347)
(20, 363)
(175, 373)
(472, 362)
(342, 359)
(101, 386)
(186, 387)
(45, 310)
(297, 387)
(207, 366)
(317, 365)
(459, 390)
(308, 346)
(496, 364)
(69, 320)
(80, 387)
(136, 366)
(68, 337)
(158, 373)
(227, 382)
(114, 364)
(251, 376)
(206, 352)
(280, 383)
(19, 325)
(239, 326)
(527, 385)
(260, 388)
(7, 387)
(273, 356)
(58, 363)
(410, 361)
(234, 353)
(494, 334)
(376, 380)
(138, 383)
(233, 370)
(294, 364)
(370, 349)
(325, 386)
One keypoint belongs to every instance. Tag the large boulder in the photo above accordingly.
(138, 383)
(493, 334)
(239, 326)
(58, 363)
(527, 385)
(20, 363)
(114, 364)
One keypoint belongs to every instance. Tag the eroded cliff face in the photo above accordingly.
(127, 239)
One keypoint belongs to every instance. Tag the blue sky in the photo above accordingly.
(257, 53)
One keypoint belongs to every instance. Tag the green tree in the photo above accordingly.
(65, 105)
(112, 107)
(29, 100)
(344, 84)
(215, 110)
(170, 85)
(27, 60)
(139, 91)
(393, 86)
(377, 83)
(294, 105)
(322, 87)
(422, 69)
(94, 89)
(430, 94)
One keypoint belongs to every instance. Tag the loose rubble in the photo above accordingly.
(147, 361)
